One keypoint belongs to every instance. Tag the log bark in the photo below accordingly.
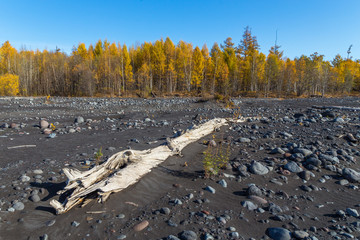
(126, 168)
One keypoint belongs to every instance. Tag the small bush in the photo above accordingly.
(215, 158)
(98, 155)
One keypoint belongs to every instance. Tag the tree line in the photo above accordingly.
(163, 68)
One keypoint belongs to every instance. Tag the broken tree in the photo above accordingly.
(126, 168)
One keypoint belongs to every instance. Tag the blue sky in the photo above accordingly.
(304, 26)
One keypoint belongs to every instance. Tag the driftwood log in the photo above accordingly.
(126, 168)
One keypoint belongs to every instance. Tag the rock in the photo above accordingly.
(120, 216)
(172, 237)
(278, 233)
(258, 199)
(121, 236)
(339, 120)
(328, 114)
(254, 190)
(38, 171)
(50, 223)
(79, 120)
(24, 178)
(343, 182)
(44, 237)
(352, 212)
(165, 210)
(34, 198)
(44, 124)
(234, 235)
(306, 188)
(188, 235)
(75, 224)
(18, 206)
(313, 161)
(222, 183)
(71, 130)
(274, 209)
(298, 234)
(277, 150)
(351, 175)
(350, 138)
(210, 189)
(258, 168)
(303, 151)
(141, 226)
(249, 205)
(299, 115)
(329, 158)
(293, 167)
(175, 202)
(244, 140)
(208, 236)
(305, 175)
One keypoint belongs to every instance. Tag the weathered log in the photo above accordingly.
(126, 168)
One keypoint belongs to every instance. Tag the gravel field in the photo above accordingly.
(293, 171)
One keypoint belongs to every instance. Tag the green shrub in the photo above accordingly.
(215, 158)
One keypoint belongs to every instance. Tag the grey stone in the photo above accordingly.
(34, 198)
(303, 151)
(223, 183)
(343, 182)
(208, 236)
(44, 237)
(329, 158)
(18, 206)
(244, 140)
(254, 190)
(234, 235)
(188, 235)
(249, 205)
(313, 161)
(121, 236)
(24, 178)
(278, 233)
(352, 212)
(79, 120)
(38, 171)
(258, 168)
(293, 167)
(75, 224)
(339, 120)
(172, 237)
(298, 234)
(165, 210)
(50, 223)
(210, 189)
(351, 175)
(277, 150)
(305, 175)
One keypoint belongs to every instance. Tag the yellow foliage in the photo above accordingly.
(9, 85)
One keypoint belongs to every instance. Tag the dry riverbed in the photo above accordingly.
(294, 169)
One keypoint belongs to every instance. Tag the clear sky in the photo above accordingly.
(304, 26)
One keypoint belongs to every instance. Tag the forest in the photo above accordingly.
(162, 68)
